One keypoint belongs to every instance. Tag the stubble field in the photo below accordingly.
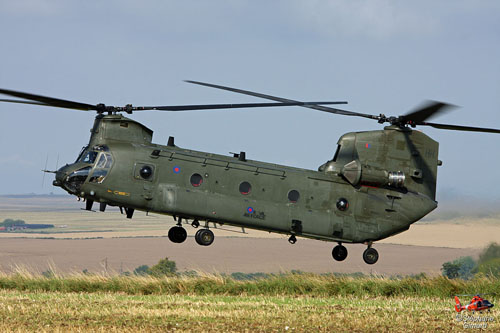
(52, 311)
(296, 303)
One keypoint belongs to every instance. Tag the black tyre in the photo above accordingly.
(197, 236)
(370, 256)
(177, 234)
(339, 253)
(204, 237)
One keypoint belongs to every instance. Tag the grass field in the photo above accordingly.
(52, 311)
(215, 303)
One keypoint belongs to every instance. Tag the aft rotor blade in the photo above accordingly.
(49, 101)
(285, 100)
(227, 106)
(460, 128)
(430, 109)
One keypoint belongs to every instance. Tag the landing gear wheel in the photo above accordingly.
(204, 237)
(339, 252)
(370, 256)
(177, 234)
(195, 224)
(292, 239)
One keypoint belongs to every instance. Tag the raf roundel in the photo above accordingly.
(250, 210)
(177, 169)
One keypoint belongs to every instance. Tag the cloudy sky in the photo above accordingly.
(381, 56)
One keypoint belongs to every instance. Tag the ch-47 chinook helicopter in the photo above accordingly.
(376, 185)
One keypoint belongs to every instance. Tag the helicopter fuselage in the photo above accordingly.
(352, 198)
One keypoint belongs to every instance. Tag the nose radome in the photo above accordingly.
(59, 179)
(60, 175)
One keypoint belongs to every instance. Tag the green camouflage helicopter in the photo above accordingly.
(376, 185)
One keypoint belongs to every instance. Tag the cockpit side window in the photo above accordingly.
(98, 176)
(102, 161)
(102, 167)
(109, 161)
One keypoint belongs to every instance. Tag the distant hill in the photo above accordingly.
(34, 195)
(37, 202)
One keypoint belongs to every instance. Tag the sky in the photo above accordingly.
(381, 56)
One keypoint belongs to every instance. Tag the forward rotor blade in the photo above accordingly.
(55, 102)
(285, 100)
(227, 106)
(23, 102)
(49, 101)
(460, 128)
(430, 109)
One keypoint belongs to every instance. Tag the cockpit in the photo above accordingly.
(94, 162)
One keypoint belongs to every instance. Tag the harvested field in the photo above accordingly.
(49, 311)
(212, 303)
(225, 255)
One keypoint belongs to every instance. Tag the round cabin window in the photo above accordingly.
(342, 204)
(245, 188)
(196, 180)
(293, 196)
(146, 172)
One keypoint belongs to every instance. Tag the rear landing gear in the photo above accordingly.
(339, 252)
(370, 256)
(177, 234)
(204, 237)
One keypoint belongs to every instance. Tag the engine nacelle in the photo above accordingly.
(358, 174)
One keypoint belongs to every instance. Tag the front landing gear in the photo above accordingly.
(339, 252)
(370, 256)
(177, 234)
(292, 239)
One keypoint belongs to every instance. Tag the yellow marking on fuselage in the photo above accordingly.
(127, 194)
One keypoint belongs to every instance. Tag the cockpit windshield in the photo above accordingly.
(336, 153)
(80, 154)
(88, 157)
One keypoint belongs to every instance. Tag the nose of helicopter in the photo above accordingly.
(71, 177)
(59, 178)
(61, 175)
